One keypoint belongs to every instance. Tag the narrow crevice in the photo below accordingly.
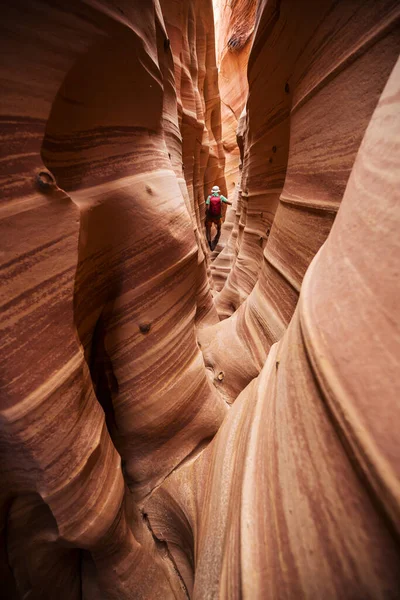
(164, 551)
(105, 383)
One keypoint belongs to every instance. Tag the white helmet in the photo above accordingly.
(215, 189)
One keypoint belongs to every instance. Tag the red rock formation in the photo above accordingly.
(324, 95)
(199, 113)
(235, 27)
(298, 494)
(108, 253)
(235, 24)
(113, 486)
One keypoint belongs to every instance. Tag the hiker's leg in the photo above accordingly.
(208, 232)
(217, 236)
(218, 232)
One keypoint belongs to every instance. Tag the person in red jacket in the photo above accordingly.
(214, 214)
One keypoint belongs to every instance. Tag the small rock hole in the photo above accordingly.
(145, 327)
(45, 181)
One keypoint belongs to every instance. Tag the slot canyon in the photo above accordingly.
(181, 419)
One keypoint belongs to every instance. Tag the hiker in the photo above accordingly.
(214, 214)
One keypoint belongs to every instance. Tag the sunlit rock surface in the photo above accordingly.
(125, 475)
(201, 158)
(234, 25)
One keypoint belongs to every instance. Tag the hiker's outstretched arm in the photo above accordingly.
(226, 200)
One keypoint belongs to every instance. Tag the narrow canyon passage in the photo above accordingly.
(178, 421)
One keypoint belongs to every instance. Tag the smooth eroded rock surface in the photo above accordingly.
(299, 490)
(125, 473)
(322, 97)
(104, 388)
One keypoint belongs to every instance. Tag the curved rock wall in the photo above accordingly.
(235, 28)
(297, 160)
(102, 284)
(235, 25)
(200, 157)
(299, 490)
(115, 485)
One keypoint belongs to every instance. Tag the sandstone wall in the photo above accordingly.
(309, 104)
(298, 494)
(201, 158)
(235, 33)
(104, 389)
(124, 473)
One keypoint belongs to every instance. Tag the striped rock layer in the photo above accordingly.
(125, 474)
(298, 494)
(309, 104)
(103, 386)
(235, 27)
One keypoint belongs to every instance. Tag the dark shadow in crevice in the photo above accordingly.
(105, 383)
(44, 564)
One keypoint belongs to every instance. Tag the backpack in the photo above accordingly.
(215, 206)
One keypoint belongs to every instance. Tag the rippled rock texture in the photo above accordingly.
(235, 26)
(309, 104)
(125, 474)
(298, 494)
(104, 389)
